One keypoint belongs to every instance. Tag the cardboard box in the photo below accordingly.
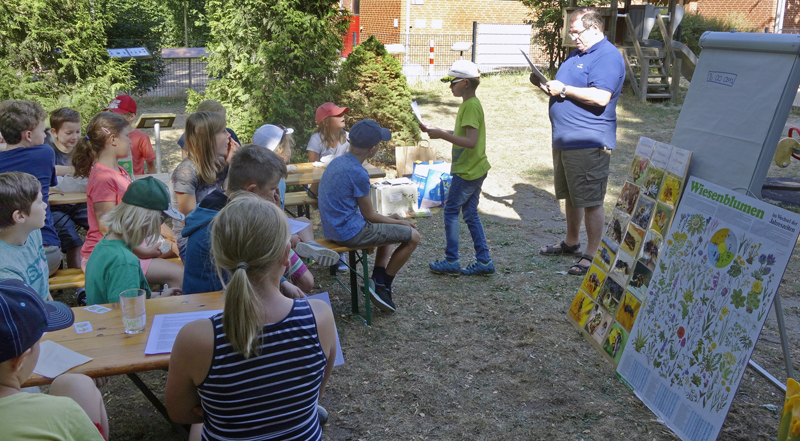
(393, 196)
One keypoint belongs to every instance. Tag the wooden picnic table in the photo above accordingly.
(308, 174)
(67, 197)
(113, 351)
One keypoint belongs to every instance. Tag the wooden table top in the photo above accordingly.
(67, 197)
(113, 351)
(308, 174)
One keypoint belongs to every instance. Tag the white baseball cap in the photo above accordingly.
(270, 136)
(462, 69)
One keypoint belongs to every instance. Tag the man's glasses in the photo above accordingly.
(575, 35)
(453, 83)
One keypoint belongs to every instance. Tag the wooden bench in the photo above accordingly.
(302, 201)
(356, 256)
(69, 278)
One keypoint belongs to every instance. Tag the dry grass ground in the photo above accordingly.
(492, 358)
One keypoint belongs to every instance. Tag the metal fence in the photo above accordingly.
(428, 56)
(180, 74)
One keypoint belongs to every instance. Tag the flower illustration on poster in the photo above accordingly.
(704, 304)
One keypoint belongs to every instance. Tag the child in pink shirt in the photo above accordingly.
(96, 157)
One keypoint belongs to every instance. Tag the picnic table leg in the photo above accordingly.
(365, 265)
(353, 281)
(180, 428)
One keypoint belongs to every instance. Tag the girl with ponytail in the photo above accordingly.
(95, 156)
(265, 356)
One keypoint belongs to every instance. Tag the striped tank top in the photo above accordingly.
(272, 396)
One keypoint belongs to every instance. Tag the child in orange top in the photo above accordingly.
(141, 148)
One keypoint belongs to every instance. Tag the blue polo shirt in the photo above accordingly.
(38, 161)
(580, 126)
(343, 182)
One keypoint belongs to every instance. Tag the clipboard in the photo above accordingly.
(536, 71)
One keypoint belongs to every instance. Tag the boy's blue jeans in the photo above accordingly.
(463, 197)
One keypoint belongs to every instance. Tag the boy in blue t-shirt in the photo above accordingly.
(469, 170)
(348, 218)
(22, 124)
(22, 214)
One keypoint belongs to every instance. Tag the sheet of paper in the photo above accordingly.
(339, 356)
(55, 359)
(415, 108)
(296, 225)
(165, 329)
(536, 71)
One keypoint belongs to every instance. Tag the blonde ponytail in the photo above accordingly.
(248, 239)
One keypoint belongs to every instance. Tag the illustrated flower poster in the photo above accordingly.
(612, 292)
(708, 298)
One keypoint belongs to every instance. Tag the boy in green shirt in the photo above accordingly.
(469, 168)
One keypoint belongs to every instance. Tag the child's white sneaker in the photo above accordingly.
(320, 254)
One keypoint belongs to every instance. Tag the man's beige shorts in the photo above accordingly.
(581, 175)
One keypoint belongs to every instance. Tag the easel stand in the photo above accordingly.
(747, 83)
(787, 358)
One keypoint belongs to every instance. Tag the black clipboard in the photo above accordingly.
(536, 71)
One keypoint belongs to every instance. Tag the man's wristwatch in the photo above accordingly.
(563, 93)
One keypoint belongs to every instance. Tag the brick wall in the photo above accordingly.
(455, 16)
(760, 14)
(377, 17)
(791, 20)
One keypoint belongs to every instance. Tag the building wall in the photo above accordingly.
(377, 17)
(454, 16)
(759, 14)
(791, 20)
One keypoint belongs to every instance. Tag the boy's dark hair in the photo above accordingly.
(63, 115)
(254, 164)
(17, 116)
(18, 191)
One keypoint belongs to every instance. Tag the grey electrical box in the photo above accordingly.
(740, 96)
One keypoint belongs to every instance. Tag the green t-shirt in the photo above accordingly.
(25, 416)
(112, 268)
(470, 164)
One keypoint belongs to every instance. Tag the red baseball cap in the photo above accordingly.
(122, 104)
(329, 109)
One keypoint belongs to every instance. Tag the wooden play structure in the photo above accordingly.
(652, 67)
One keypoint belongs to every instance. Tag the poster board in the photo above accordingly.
(737, 105)
(612, 293)
(706, 304)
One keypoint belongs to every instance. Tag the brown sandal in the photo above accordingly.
(578, 269)
(562, 250)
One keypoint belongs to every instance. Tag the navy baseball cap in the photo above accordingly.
(367, 133)
(25, 317)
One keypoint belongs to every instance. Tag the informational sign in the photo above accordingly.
(709, 296)
(612, 293)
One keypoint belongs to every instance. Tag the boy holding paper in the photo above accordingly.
(469, 169)
(74, 409)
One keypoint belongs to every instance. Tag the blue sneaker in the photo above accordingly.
(479, 269)
(445, 267)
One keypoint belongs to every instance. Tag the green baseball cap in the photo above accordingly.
(151, 193)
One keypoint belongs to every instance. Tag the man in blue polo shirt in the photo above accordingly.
(583, 101)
